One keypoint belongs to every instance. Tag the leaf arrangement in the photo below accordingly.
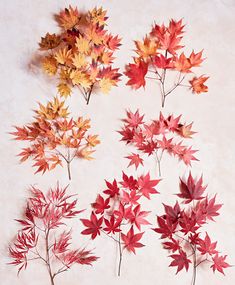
(181, 228)
(160, 136)
(81, 55)
(118, 212)
(54, 138)
(159, 54)
(44, 235)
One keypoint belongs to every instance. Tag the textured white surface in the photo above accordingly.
(210, 26)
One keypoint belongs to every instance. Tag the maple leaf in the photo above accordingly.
(68, 18)
(219, 263)
(79, 60)
(210, 208)
(63, 56)
(129, 182)
(166, 227)
(196, 58)
(101, 204)
(206, 246)
(113, 189)
(112, 226)
(82, 45)
(136, 73)
(163, 62)
(137, 217)
(61, 245)
(172, 245)
(50, 41)
(180, 261)
(197, 84)
(131, 240)
(185, 131)
(146, 48)
(49, 65)
(187, 155)
(64, 90)
(135, 159)
(192, 189)
(133, 120)
(106, 85)
(130, 198)
(147, 186)
(93, 226)
(182, 63)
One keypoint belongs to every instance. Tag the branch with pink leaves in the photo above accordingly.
(40, 238)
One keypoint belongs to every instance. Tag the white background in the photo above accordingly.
(210, 26)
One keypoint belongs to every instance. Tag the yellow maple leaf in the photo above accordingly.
(106, 85)
(146, 48)
(65, 74)
(85, 153)
(82, 45)
(98, 16)
(79, 60)
(49, 65)
(68, 18)
(92, 140)
(64, 90)
(63, 56)
(83, 124)
(80, 78)
(53, 110)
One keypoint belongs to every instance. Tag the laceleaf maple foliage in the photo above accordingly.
(181, 228)
(54, 138)
(160, 136)
(81, 55)
(118, 212)
(159, 54)
(44, 233)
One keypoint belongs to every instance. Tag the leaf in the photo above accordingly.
(68, 18)
(82, 45)
(79, 60)
(182, 64)
(133, 120)
(137, 217)
(192, 189)
(64, 90)
(206, 246)
(113, 189)
(63, 56)
(180, 261)
(219, 263)
(197, 84)
(50, 41)
(106, 85)
(131, 240)
(49, 65)
(101, 204)
(196, 58)
(146, 48)
(147, 186)
(135, 159)
(136, 73)
(112, 226)
(166, 227)
(93, 226)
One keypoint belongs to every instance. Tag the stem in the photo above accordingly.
(194, 266)
(69, 171)
(48, 258)
(89, 95)
(159, 158)
(120, 255)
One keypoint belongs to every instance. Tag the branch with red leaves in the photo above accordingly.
(160, 136)
(158, 54)
(118, 212)
(181, 228)
(54, 138)
(40, 238)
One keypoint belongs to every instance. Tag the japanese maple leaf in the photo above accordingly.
(163, 62)
(172, 212)
(180, 261)
(101, 204)
(137, 217)
(206, 246)
(172, 123)
(93, 225)
(136, 73)
(166, 227)
(172, 245)
(188, 155)
(185, 131)
(130, 198)
(131, 240)
(219, 263)
(182, 64)
(113, 189)
(127, 134)
(196, 58)
(147, 186)
(112, 225)
(176, 27)
(135, 159)
(188, 223)
(192, 189)
(197, 84)
(211, 208)
(133, 120)
(129, 182)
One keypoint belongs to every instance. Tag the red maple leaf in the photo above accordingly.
(192, 189)
(147, 186)
(166, 227)
(131, 240)
(113, 189)
(93, 225)
(133, 120)
(180, 261)
(206, 246)
(137, 217)
(135, 159)
(101, 204)
(136, 73)
(219, 263)
(112, 225)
